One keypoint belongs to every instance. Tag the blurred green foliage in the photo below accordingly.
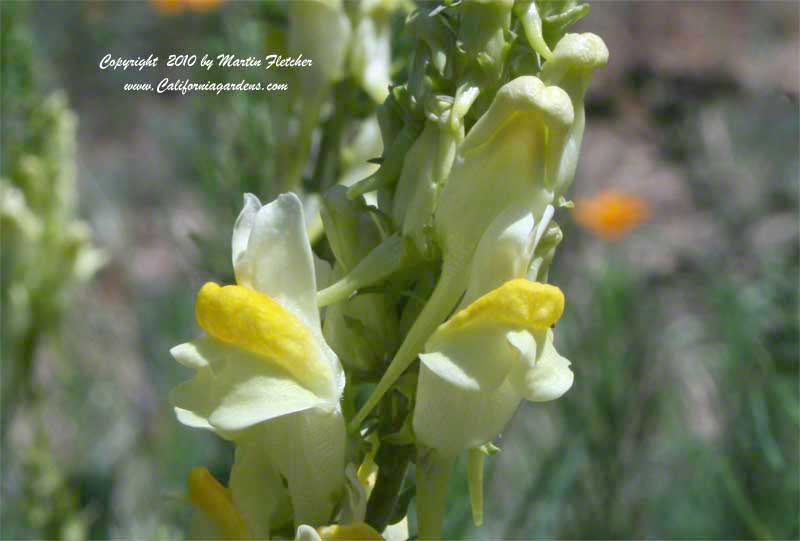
(46, 253)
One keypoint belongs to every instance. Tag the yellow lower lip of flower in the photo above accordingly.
(518, 303)
(256, 323)
(356, 531)
(214, 500)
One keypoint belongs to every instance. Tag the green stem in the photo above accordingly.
(21, 388)
(433, 474)
(444, 298)
(386, 258)
(293, 156)
(326, 168)
(475, 481)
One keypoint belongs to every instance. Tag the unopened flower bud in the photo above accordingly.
(574, 60)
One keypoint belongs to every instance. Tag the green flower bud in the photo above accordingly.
(482, 36)
(435, 35)
(392, 114)
(391, 166)
(320, 30)
(558, 15)
(484, 24)
(574, 60)
(427, 165)
(370, 54)
(545, 251)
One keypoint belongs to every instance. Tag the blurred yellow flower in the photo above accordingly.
(217, 505)
(264, 376)
(172, 7)
(611, 214)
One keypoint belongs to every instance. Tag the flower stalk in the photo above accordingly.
(440, 252)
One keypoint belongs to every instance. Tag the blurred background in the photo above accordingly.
(680, 265)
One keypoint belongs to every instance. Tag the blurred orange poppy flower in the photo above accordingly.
(170, 7)
(611, 214)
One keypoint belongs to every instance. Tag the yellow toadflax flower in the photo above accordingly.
(508, 160)
(496, 350)
(265, 377)
(219, 518)
(484, 360)
(611, 214)
(522, 151)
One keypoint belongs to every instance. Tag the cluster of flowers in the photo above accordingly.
(345, 39)
(47, 251)
(442, 255)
